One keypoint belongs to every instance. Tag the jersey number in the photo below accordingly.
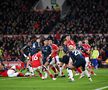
(35, 58)
(76, 53)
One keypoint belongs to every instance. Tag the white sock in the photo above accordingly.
(31, 70)
(82, 74)
(46, 74)
(70, 73)
(87, 73)
(61, 71)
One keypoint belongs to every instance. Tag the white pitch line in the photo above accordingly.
(102, 88)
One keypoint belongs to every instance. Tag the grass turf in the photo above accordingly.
(35, 83)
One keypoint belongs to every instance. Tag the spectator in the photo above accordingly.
(94, 57)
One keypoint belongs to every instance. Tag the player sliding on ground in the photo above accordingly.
(13, 71)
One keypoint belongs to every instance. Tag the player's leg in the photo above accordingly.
(45, 62)
(95, 63)
(52, 66)
(58, 67)
(64, 60)
(69, 69)
(49, 63)
(57, 61)
(61, 68)
(48, 72)
(89, 66)
(85, 71)
(20, 75)
(31, 70)
(39, 72)
(77, 66)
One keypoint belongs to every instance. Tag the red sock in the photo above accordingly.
(40, 74)
(54, 69)
(21, 75)
(51, 76)
(79, 70)
(92, 72)
(89, 66)
(62, 73)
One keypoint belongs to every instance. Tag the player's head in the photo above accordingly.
(71, 47)
(68, 37)
(86, 41)
(80, 43)
(45, 41)
(33, 38)
(38, 40)
(95, 48)
(50, 42)
(60, 48)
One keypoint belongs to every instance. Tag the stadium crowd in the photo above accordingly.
(18, 17)
(85, 17)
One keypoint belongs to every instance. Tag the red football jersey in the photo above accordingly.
(35, 60)
(70, 42)
(55, 49)
(86, 47)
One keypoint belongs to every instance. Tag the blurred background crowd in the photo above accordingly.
(18, 17)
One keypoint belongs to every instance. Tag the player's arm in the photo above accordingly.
(88, 52)
(85, 51)
(29, 61)
(54, 50)
(49, 50)
(22, 51)
(41, 61)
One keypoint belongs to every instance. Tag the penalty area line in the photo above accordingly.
(102, 88)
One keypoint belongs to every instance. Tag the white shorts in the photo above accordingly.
(12, 73)
(39, 67)
(55, 60)
(87, 61)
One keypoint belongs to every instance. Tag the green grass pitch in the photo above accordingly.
(35, 83)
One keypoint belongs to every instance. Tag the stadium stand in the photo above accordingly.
(17, 17)
(85, 17)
